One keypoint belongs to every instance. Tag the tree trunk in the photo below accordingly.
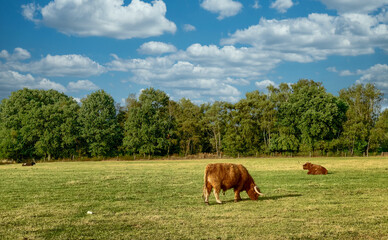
(367, 148)
(215, 138)
(187, 147)
(219, 140)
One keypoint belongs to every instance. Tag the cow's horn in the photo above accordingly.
(258, 191)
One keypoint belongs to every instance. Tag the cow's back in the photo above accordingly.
(227, 175)
(318, 170)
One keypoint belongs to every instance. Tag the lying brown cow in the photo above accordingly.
(225, 176)
(28, 164)
(314, 169)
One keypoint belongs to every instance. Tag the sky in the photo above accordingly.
(203, 50)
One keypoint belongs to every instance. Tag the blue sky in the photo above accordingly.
(204, 50)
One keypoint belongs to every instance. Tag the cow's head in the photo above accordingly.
(253, 191)
(307, 165)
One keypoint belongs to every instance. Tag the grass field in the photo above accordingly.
(162, 200)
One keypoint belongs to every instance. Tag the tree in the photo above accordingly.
(38, 123)
(243, 125)
(379, 134)
(149, 123)
(189, 119)
(99, 127)
(312, 113)
(364, 108)
(214, 121)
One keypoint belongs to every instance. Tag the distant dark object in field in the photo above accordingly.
(28, 164)
(226, 176)
(314, 169)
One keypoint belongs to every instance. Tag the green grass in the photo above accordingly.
(162, 200)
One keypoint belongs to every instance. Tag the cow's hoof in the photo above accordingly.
(219, 202)
(207, 203)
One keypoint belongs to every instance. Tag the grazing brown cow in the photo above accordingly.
(314, 169)
(225, 176)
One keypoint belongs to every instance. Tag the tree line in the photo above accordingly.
(297, 119)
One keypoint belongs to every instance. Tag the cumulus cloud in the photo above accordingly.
(262, 85)
(18, 54)
(282, 5)
(107, 18)
(200, 71)
(12, 80)
(82, 85)
(47, 84)
(156, 48)
(355, 6)
(17, 72)
(189, 28)
(57, 65)
(315, 37)
(256, 5)
(377, 75)
(225, 8)
(345, 73)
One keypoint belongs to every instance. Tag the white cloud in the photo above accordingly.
(262, 85)
(225, 8)
(30, 11)
(18, 54)
(156, 48)
(82, 85)
(377, 75)
(47, 84)
(107, 18)
(315, 37)
(342, 73)
(332, 69)
(12, 80)
(188, 28)
(58, 65)
(345, 73)
(282, 5)
(256, 5)
(358, 6)
(201, 71)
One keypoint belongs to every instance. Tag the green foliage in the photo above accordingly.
(38, 123)
(379, 134)
(149, 123)
(301, 118)
(312, 113)
(99, 127)
(215, 120)
(364, 108)
(189, 117)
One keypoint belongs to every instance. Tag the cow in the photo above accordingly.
(28, 164)
(314, 169)
(226, 176)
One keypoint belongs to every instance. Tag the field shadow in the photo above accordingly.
(266, 198)
(278, 197)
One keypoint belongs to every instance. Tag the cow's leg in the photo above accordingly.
(217, 190)
(237, 195)
(206, 192)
